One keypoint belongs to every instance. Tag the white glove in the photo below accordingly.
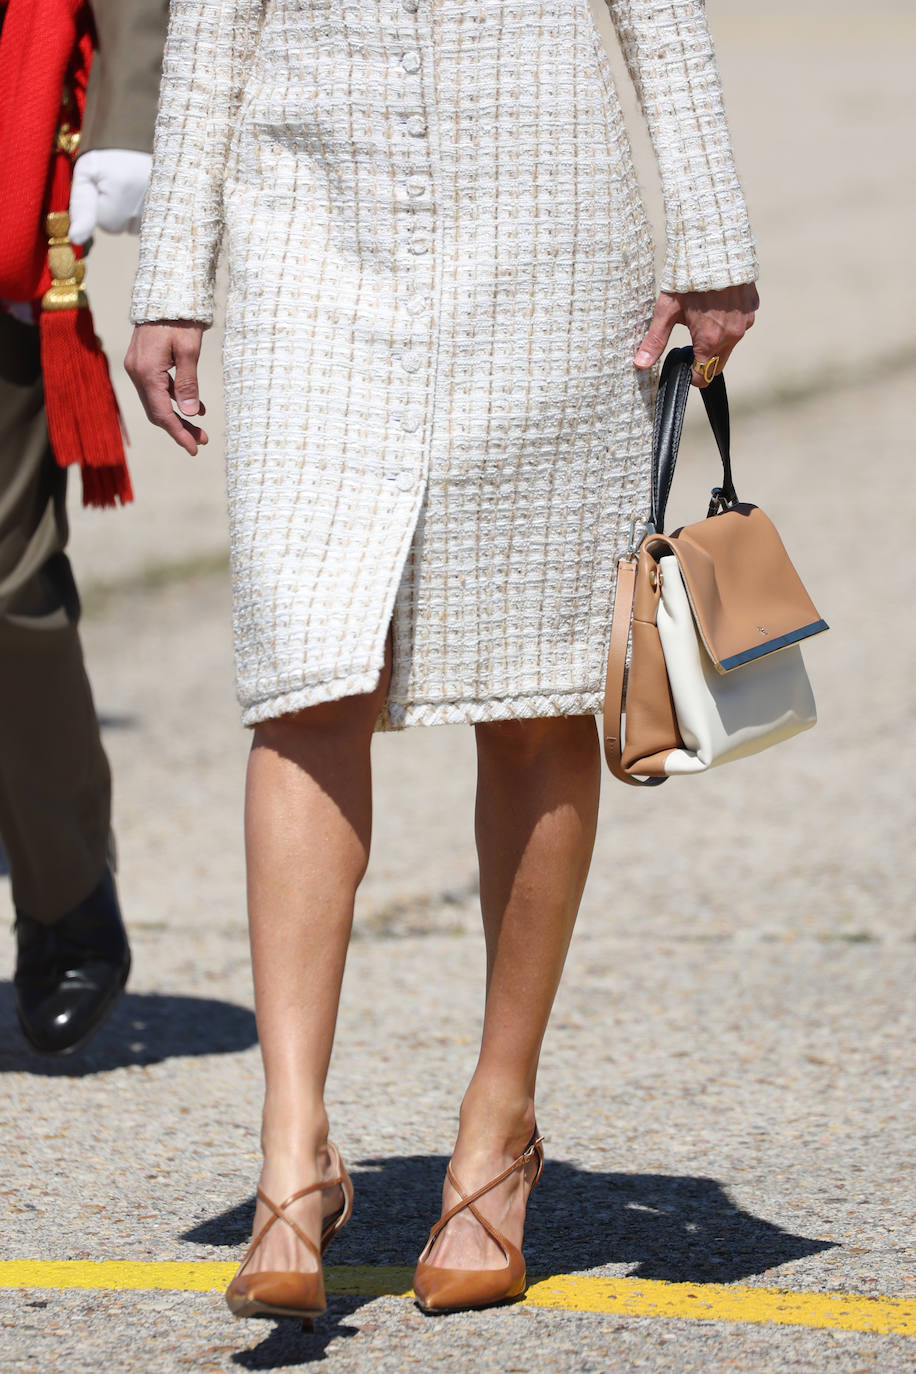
(108, 191)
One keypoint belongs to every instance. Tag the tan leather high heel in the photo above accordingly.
(451, 1290)
(275, 1293)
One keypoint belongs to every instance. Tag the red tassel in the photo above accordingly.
(84, 423)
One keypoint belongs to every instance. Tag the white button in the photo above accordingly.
(416, 126)
(417, 304)
(411, 6)
(412, 419)
(411, 62)
(410, 361)
(405, 480)
(416, 186)
(419, 244)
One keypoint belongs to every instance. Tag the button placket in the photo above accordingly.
(415, 235)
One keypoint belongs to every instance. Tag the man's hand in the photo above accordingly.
(108, 191)
(717, 320)
(155, 350)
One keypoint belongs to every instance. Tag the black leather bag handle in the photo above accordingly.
(673, 390)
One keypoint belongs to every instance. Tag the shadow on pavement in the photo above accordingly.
(680, 1228)
(287, 1346)
(145, 1028)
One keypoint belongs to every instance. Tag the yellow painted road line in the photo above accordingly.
(178, 1276)
(173, 1276)
(562, 1293)
(725, 1303)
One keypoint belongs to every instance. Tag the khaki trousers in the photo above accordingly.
(55, 785)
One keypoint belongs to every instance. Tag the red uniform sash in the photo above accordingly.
(46, 52)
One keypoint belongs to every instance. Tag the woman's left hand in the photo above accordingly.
(717, 320)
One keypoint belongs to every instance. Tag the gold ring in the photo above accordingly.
(707, 370)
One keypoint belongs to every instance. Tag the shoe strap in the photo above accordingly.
(279, 1214)
(502, 1241)
(304, 1192)
(532, 1150)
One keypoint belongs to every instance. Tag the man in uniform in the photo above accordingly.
(73, 956)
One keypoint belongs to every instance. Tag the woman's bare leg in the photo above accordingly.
(308, 817)
(537, 806)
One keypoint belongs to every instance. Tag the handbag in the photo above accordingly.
(705, 664)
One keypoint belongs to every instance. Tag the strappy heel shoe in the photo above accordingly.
(451, 1290)
(272, 1293)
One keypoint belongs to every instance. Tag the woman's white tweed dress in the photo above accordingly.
(439, 271)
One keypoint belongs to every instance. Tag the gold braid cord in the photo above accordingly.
(67, 271)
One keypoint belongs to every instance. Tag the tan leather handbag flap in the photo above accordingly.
(746, 596)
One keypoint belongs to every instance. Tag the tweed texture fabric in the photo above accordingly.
(439, 269)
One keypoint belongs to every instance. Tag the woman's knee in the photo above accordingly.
(524, 742)
(347, 719)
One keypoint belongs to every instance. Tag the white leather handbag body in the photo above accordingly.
(725, 716)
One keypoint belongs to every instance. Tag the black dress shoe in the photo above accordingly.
(69, 975)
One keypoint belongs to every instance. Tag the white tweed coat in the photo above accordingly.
(439, 270)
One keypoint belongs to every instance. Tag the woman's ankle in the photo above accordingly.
(301, 1136)
(495, 1121)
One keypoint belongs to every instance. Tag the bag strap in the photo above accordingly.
(671, 403)
(616, 675)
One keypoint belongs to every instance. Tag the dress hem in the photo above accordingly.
(527, 706)
(398, 716)
(316, 694)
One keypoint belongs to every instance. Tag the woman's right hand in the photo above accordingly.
(155, 350)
